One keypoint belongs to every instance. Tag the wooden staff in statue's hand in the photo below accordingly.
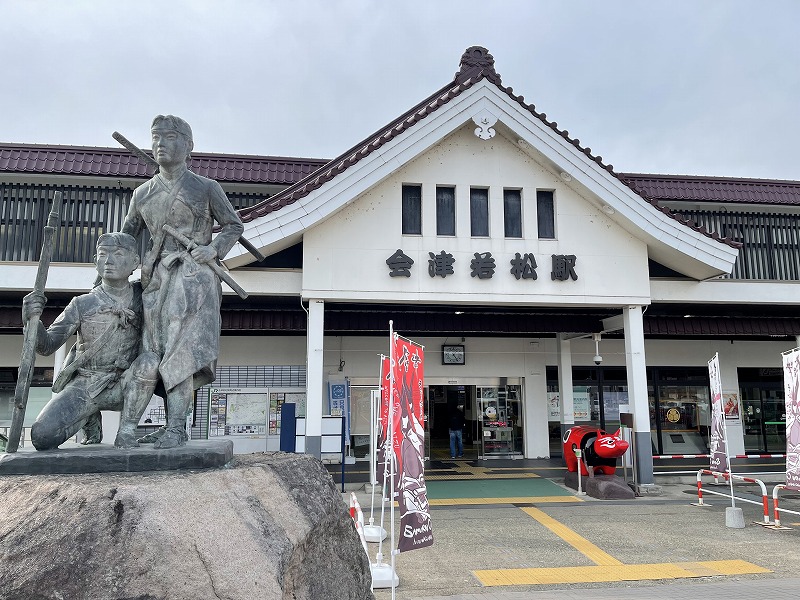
(206, 255)
(32, 326)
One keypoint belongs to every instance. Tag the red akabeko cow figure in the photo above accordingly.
(600, 449)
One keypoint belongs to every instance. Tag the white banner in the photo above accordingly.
(718, 443)
(791, 382)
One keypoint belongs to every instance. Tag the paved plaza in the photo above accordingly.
(553, 544)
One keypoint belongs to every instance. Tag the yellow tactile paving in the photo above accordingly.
(512, 500)
(609, 573)
(698, 569)
(607, 568)
(594, 574)
(584, 546)
(733, 567)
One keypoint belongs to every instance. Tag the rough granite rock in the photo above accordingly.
(269, 526)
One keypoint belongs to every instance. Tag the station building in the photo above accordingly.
(547, 287)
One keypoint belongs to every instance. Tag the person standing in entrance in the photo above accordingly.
(182, 294)
(457, 432)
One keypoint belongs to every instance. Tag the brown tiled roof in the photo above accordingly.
(476, 64)
(114, 162)
(714, 189)
(735, 326)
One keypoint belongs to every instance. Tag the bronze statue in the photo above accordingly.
(182, 292)
(105, 369)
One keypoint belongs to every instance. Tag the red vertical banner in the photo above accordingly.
(384, 451)
(409, 441)
(791, 382)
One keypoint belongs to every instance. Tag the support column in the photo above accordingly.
(637, 392)
(565, 384)
(315, 336)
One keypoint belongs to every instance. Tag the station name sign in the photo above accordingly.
(483, 265)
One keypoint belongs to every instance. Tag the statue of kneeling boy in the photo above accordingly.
(105, 369)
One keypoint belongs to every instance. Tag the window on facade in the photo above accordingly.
(479, 212)
(445, 210)
(545, 215)
(512, 213)
(412, 210)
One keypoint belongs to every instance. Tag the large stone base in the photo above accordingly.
(604, 487)
(269, 526)
(105, 458)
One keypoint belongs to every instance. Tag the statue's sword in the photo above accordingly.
(150, 161)
(28, 357)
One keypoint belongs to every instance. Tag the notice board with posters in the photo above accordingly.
(240, 414)
(251, 417)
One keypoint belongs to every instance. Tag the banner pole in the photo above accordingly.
(372, 532)
(391, 446)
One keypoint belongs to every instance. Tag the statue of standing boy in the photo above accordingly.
(182, 294)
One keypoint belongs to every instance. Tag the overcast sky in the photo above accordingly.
(706, 87)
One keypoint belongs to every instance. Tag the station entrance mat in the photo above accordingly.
(495, 491)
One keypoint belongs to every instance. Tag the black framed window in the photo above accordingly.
(412, 210)
(445, 210)
(545, 215)
(479, 212)
(512, 213)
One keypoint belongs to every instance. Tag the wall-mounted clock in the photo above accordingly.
(453, 354)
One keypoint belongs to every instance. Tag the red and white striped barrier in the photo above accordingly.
(358, 521)
(667, 456)
(776, 510)
(383, 575)
(764, 498)
(355, 510)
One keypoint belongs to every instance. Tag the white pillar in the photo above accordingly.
(315, 336)
(637, 392)
(565, 384)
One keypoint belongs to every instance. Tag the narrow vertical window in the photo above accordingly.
(412, 210)
(545, 215)
(512, 213)
(479, 212)
(445, 211)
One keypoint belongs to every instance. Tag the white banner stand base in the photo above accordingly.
(374, 533)
(734, 517)
(382, 576)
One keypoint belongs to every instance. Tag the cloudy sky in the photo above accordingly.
(708, 87)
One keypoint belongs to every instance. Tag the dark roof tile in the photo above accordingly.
(112, 162)
(730, 190)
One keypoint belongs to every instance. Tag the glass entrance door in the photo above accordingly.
(500, 421)
(441, 401)
(764, 418)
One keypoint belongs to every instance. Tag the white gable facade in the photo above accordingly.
(350, 224)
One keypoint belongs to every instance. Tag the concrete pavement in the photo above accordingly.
(650, 547)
